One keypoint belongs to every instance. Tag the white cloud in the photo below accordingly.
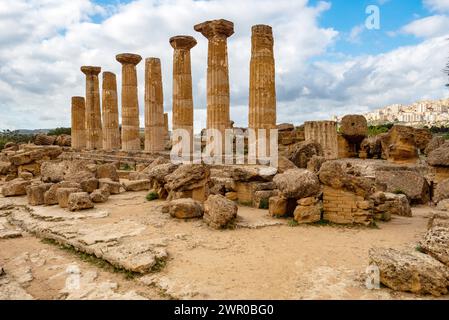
(437, 5)
(432, 26)
(44, 42)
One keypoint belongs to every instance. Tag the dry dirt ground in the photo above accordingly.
(262, 258)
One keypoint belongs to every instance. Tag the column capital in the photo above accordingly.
(90, 70)
(183, 42)
(128, 58)
(213, 28)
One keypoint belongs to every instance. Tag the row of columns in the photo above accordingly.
(262, 102)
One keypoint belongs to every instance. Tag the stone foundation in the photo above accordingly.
(343, 207)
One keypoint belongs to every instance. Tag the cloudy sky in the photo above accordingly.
(327, 61)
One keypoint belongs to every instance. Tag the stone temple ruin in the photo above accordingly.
(327, 171)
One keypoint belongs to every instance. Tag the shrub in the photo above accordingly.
(264, 203)
(59, 131)
(13, 136)
(152, 196)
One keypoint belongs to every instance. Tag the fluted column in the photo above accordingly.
(78, 123)
(130, 103)
(324, 133)
(111, 132)
(262, 92)
(217, 32)
(154, 106)
(182, 84)
(166, 125)
(93, 112)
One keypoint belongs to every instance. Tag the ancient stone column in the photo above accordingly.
(154, 106)
(262, 92)
(324, 133)
(182, 84)
(217, 32)
(130, 103)
(93, 112)
(78, 123)
(111, 132)
(166, 124)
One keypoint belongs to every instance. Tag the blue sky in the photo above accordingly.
(327, 62)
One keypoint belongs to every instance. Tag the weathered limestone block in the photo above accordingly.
(277, 206)
(399, 145)
(219, 212)
(325, 134)
(315, 163)
(354, 128)
(107, 171)
(33, 168)
(26, 175)
(16, 187)
(301, 153)
(297, 183)
(182, 84)
(285, 164)
(410, 183)
(440, 156)
(5, 167)
(388, 204)
(371, 147)
(191, 180)
(411, 271)
(33, 155)
(114, 187)
(308, 212)
(41, 139)
(53, 171)
(50, 196)
(154, 106)
(89, 185)
(423, 137)
(218, 102)
(63, 195)
(35, 193)
(436, 241)
(79, 201)
(185, 209)
(93, 111)
(137, 185)
(100, 195)
(78, 123)
(333, 175)
(434, 144)
(130, 103)
(441, 191)
(347, 149)
(111, 132)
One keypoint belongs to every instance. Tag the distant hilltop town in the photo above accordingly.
(418, 114)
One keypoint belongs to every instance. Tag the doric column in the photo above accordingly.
(324, 133)
(78, 123)
(93, 112)
(166, 123)
(217, 32)
(130, 103)
(262, 92)
(182, 83)
(154, 106)
(111, 132)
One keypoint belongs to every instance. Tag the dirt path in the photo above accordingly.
(263, 258)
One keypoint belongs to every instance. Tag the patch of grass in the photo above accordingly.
(126, 167)
(399, 191)
(91, 259)
(419, 249)
(152, 196)
(292, 223)
(263, 204)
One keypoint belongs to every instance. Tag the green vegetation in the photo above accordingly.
(419, 249)
(152, 196)
(264, 203)
(376, 130)
(13, 136)
(292, 223)
(59, 131)
(399, 191)
(126, 167)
